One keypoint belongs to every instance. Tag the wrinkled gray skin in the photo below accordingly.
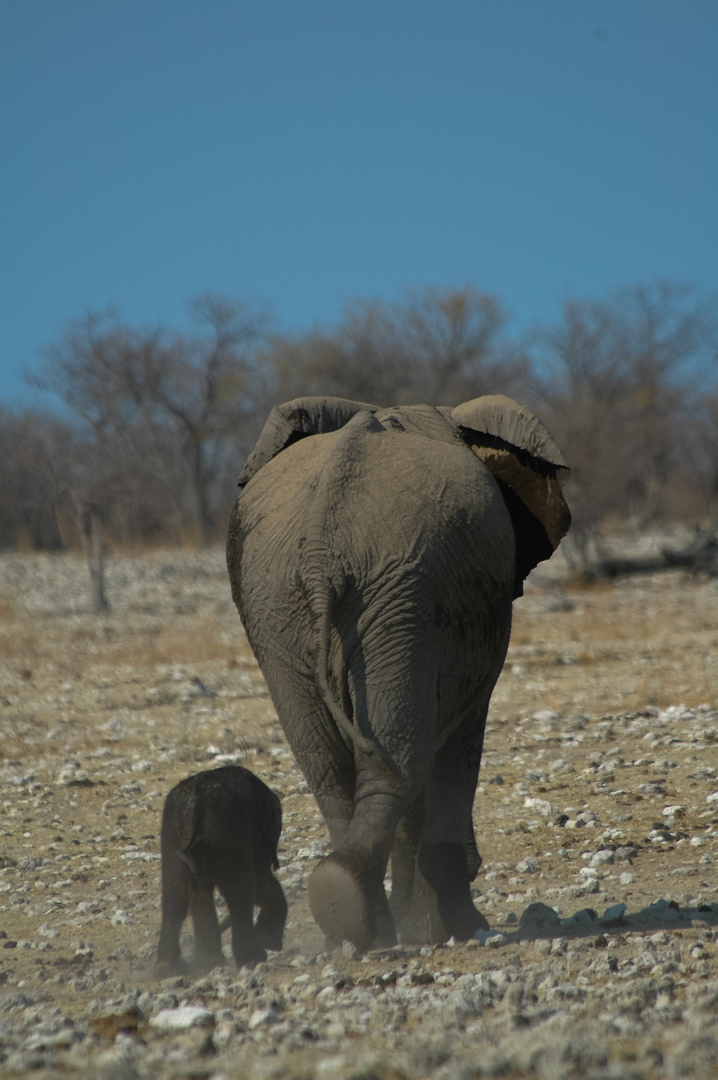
(374, 558)
(220, 829)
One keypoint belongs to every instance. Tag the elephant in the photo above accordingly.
(374, 555)
(220, 828)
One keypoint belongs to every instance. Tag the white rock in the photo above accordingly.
(546, 717)
(187, 1016)
(539, 806)
(349, 951)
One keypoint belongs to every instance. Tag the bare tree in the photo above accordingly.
(454, 339)
(700, 440)
(620, 383)
(437, 346)
(30, 490)
(186, 396)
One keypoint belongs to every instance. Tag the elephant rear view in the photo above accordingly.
(220, 828)
(374, 556)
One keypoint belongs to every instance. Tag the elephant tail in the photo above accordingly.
(324, 606)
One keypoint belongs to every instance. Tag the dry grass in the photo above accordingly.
(624, 645)
(192, 640)
(94, 642)
(603, 647)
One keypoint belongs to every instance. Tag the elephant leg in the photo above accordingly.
(394, 700)
(236, 883)
(446, 848)
(346, 890)
(414, 903)
(320, 752)
(207, 937)
(176, 889)
(269, 927)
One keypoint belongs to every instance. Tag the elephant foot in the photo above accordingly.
(165, 969)
(444, 870)
(203, 962)
(466, 923)
(339, 904)
(269, 937)
(385, 933)
(249, 957)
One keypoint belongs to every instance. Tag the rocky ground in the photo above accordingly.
(596, 815)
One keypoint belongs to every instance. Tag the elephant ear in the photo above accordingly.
(296, 419)
(529, 468)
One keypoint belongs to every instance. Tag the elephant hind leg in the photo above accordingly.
(237, 886)
(176, 889)
(443, 866)
(346, 890)
(207, 936)
(448, 857)
(269, 927)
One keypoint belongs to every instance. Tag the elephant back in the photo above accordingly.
(295, 420)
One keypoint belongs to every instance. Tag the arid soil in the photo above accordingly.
(596, 816)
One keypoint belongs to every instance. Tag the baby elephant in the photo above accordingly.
(220, 828)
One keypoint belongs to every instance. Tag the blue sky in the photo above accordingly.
(306, 152)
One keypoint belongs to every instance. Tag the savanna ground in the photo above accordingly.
(596, 791)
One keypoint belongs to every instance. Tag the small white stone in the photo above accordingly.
(349, 951)
(547, 717)
(185, 1017)
(539, 806)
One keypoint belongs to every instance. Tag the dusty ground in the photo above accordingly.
(599, 788)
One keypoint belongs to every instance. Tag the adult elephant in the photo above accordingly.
(374, 555)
